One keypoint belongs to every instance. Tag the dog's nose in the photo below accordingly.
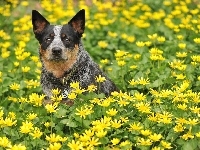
(56, 51)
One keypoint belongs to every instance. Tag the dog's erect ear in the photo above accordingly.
(78, 22)
(39, 22)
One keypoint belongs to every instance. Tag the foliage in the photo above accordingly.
(148, 48)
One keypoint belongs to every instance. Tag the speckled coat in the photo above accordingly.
(64, 59)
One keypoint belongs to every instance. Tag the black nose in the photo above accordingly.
(56, 51)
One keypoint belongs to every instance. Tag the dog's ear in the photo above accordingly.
(39, 22)
(78, 22)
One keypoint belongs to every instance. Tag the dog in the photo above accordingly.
(64, 58)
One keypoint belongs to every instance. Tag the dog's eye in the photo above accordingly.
(48, 39)
(67, 40)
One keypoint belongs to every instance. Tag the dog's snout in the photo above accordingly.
(56, 51)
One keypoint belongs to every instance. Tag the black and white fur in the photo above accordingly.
(57, 44)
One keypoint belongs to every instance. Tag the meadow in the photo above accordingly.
(150, 49)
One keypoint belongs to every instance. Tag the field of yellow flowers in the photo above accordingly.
(150, 49)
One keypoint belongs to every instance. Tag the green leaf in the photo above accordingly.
(61, 112)
(69, 123)
(190, 145)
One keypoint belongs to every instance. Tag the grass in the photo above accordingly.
(150, 49)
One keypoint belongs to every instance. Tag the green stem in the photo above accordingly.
(51, 123)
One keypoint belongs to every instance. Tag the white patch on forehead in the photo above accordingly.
(57, 30)
(57, 42)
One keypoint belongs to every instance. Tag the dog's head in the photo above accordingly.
(58, 43)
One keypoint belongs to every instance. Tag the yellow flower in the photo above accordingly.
(101, 133)
(142, 141)
(133, 66)
(55, 91)
(179, 128)
(32, 83)
(112, 34)
(181, 45)
(100, 79)
(159, 148)
(52, 138)
(112, 112)
(47, 124)
(92, 88)
(161, 39)
(93, 142)
(9, 122)
(104, 103)
(181, 121)
(72, 95)
(153, 37)
(180, 37)
(182, 106)
(104, 61)
(187, 136)
(115, 141)
(192, 122)
(15, 86)
(166, 145)
(145, 132)
(198, 78)
(143, 107)
(155, 51)
(24, 3)
(4, 142)
(26, 127)
(75, 145)
(132, 82)
(17, 147)
(31, 116)
(16, 63)
(155, 137)
(36, 133)
(139, 96)
(148, 43)
(102, 44)
(130, 39)
(89, 133)
(140, 43)
(11, 115)
(5, 54)
(198, 134)
(195, 109)
(143, 81)
(124, 119)
(25, 69)
(56, 98)
(197, 40)
(124, 36)
(36, 99)
(120, 53)
(51, 108)
(135, 127)
(181, 55)
(125, 143)
(54, 146)
(137, 56)
(83, 112)
(79, 91)
(121, 63)
(75, 85)
(180, 76)
(35, 59)
(116, 123)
